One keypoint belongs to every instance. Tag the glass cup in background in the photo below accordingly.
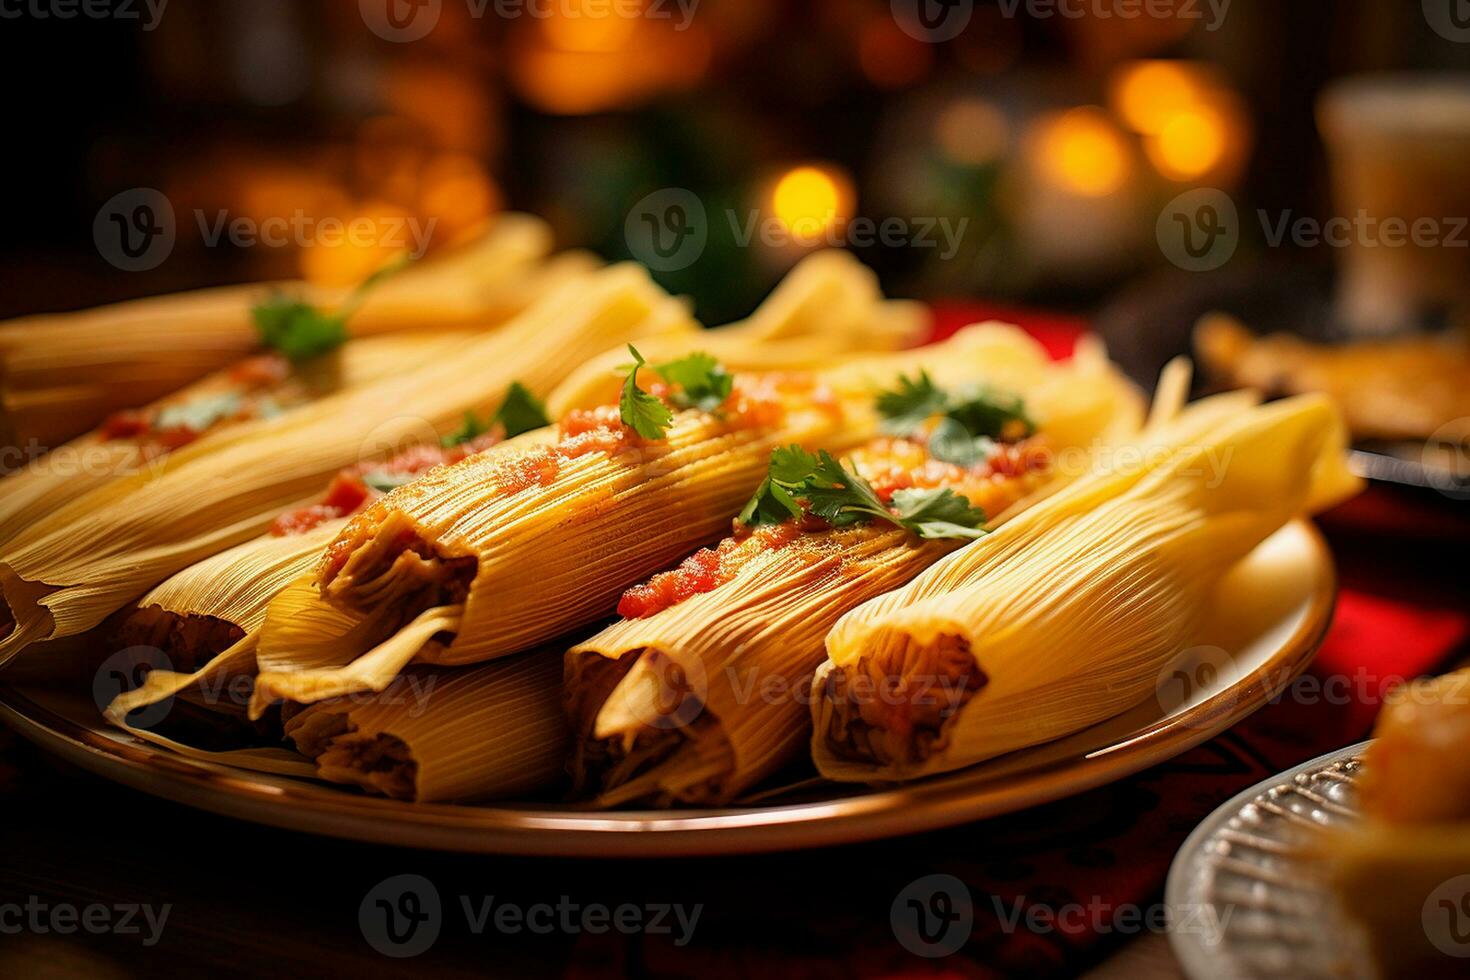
(1399, 147)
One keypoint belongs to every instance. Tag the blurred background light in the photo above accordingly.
(1083, 151)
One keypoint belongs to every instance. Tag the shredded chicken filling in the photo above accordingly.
(378, 763)
(894, 703)
(189, 640)
(682, 762)
(396, 568)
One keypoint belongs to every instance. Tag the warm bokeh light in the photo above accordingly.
(454, 109)
(1083, 151)
(810, 200)
(588, 25)
(596, 64)
(1147, 95)
(457, 194)
(346, 253)
(1191, 144)
(972, 131)
(889, 57)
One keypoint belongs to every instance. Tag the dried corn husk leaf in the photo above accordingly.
(438, 734)
(1064, 617)
(703, 700)
(111, 545)
(61, 374)
(49, 482)
(601, 523)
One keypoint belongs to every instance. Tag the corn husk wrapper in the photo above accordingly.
(602, 524)
(91, 461)
(109, 546)
(61, 374)
(441, 734)
(828, 306)
(1065, 617)
(701, 701)
(225, 595)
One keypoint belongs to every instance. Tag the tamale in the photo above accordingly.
(444, 734)
(263, 386)
(107, 547)
(1065, 616)
(828, 306)
(62, 374)
(207, 608)
(593, 513)
(700, 692)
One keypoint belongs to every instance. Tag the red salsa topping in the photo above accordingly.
(249, 377)
(705, 570)
(349, 489)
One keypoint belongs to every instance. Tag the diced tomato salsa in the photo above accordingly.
(254, 374)
(536, 468)
(261, 371)
(345, 495)
(349, 490)
(705, 570)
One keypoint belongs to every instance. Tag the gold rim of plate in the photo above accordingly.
(840, 815)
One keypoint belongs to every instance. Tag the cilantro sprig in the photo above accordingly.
(640, 411)
(520, 412)
(972, 417)
(700, 381)
(301, 331)
(696, 381)
(843, 498)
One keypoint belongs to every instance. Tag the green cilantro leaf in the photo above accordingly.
(640, 411)
(982, 411)
(701, 381)
(520, 412)
(384, 481)
(986, 412)
(951, 442)
(470, 428)
(939, 513)
(790, 465)
(301, 331)
(913, 404)
(298, 329)
(843, 498)
(772, 504)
